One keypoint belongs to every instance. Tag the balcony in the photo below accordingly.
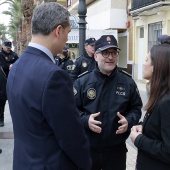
(136, 4)
(148, 7)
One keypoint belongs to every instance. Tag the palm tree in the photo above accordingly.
(21, 12)
(16, 17)
(3, 32)
(27, 7)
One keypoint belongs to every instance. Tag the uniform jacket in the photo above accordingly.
(6, 59)
(154, 144)
(82, 64)
(64, 63)
(2, 85)
(95, 92)
(48, 133)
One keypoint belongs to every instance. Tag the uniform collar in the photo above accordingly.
(100, 74)
(86, 55)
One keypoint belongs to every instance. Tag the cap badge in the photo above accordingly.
(120, 88)
(91, 93)
(84, 64)
(108, 39)
(69, 67)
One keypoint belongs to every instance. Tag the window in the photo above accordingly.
(154, 31)
(141, 32)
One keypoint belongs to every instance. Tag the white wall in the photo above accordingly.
(100, 15)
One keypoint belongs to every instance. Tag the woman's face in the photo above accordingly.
(148, 68)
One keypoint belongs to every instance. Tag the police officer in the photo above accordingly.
(7, 58)
(63, 59)
(109, 104)
(85, 62)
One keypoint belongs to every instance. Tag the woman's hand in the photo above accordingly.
(135, 131)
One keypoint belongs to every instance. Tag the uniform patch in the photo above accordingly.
(70, 67)
(120, 88)
(73, 66)
(120, 91)
(91, 93)
(84, 64)
(74, 91)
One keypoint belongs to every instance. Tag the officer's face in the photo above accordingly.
(6, 49)
(148, 68)
(107, 60)
(90, 50)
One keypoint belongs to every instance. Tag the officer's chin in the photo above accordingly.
(8, 50)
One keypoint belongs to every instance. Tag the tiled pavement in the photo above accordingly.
(6, 141)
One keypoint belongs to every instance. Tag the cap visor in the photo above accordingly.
(8, 46)
(106, 47)
(91, 43)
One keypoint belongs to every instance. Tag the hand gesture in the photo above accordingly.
(123, 128)
(93, 123)
(135, 131)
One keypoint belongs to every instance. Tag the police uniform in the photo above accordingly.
(96, 92)
(6, 59)
(83, 63)
(64, 63)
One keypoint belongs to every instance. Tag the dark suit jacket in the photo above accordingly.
(154, 145)
(48, 134)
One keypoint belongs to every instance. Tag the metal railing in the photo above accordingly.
(136, 4)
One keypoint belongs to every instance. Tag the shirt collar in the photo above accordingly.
(42, 48)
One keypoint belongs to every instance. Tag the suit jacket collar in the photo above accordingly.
(36, 51)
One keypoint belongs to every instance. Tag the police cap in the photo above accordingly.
(90, 41)
(105, 42)
(7, 44)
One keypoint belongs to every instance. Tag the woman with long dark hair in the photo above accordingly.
(152, 137)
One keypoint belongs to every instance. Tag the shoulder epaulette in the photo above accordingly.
(125, 73)
(78, 57)
(84, 73)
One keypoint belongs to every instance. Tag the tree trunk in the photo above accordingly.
(28, 6)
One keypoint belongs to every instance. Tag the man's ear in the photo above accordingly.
(58, 30)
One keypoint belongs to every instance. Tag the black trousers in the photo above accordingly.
(2, 108)
(114, 159)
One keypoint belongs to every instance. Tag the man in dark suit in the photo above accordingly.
(48, 133)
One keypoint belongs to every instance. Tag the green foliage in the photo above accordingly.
(3, 32)
(16, 16)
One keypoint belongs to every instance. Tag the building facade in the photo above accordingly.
(151, 18)
(113, 16)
